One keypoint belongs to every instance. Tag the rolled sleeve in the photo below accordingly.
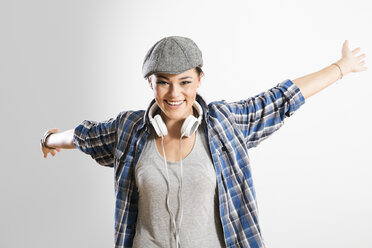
(293, 96)
(260, 116)
(97, 139)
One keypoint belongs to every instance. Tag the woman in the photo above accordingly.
(183, 161)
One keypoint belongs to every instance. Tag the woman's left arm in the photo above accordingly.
(350, 62)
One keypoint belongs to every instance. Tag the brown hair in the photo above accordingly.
(199, 71)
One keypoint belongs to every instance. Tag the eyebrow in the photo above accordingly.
(160, 76)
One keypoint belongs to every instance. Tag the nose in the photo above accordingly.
(174, 91)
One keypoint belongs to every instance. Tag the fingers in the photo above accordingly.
(345, 48)
(355, 51)
(45, 154)
(362, 68)
(361, 62)
(50, 151)
(355, 61)
(42, 150)
(359, 66)
(45, 151)
(362, 56)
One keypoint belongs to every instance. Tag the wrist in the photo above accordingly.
(44, 140)
(342, 63)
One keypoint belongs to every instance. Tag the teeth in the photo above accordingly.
(175, 103)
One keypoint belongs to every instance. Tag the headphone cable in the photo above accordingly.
(175, 229)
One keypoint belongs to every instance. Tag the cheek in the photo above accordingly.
(159, 91)
(191, 91)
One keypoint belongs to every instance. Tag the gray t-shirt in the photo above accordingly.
(201, 224)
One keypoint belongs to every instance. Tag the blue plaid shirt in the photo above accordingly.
(230, 129)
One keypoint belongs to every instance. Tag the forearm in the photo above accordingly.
(313, 83)
(63, 140)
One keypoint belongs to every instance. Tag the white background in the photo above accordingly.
(62, 62)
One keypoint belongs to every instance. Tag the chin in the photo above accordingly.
(176, 117)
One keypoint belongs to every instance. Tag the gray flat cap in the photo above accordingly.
(173, 55)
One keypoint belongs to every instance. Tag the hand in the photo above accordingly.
(47, 150)
(351, 61)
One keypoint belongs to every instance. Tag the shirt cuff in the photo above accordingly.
(293, 95)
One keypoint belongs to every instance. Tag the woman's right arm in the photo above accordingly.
(58, 140)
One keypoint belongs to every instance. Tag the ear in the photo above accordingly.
(199, 81)
(150, 81)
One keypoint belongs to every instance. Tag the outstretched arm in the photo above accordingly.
(315, 82)
(97, 139)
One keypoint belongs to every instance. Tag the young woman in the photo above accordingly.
(183, 176)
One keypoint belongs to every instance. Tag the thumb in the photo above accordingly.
(345, 47)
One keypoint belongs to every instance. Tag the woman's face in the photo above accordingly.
(175, 93)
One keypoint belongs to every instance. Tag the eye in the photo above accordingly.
(185, 82)
(161, 82)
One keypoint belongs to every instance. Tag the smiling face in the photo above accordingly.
(175, 93)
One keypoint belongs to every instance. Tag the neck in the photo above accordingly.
(174, 126)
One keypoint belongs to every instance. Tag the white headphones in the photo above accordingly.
(189, 126)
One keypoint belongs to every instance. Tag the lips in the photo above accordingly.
(174, 103)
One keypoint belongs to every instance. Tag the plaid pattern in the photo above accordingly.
(231, 129)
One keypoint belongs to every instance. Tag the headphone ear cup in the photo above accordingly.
(159, 126)
(189, 126)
